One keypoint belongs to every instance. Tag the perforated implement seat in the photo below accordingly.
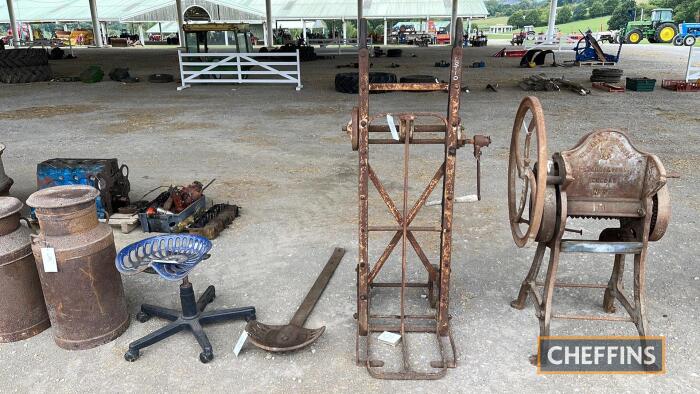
(606, 177)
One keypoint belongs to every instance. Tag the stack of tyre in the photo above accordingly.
(607, 75)
(24, 65)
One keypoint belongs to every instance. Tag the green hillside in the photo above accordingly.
(595, 24)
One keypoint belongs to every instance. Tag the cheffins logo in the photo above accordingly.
(601, 355)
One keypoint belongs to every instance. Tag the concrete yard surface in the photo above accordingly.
(281, 155)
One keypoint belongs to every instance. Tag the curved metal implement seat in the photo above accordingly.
(603, 177)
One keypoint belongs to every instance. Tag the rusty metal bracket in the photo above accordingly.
(409, 132)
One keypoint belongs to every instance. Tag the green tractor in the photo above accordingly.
(660, 28)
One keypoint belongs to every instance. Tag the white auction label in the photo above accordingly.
(48, 257)
(240, 343)
(392, 127)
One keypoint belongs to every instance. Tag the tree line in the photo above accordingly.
(536, 12)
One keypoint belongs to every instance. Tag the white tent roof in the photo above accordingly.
(148, 10)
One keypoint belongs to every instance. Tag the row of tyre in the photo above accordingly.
(350, 82)
(24, 65)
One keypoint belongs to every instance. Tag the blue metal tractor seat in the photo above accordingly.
(172, 257)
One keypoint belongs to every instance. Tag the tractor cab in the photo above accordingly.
(659, 15)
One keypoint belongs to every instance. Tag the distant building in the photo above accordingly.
(499, 29)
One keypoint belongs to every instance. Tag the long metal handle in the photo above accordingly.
(317, 289)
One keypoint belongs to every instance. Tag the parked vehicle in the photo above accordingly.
(687, 34)
(660, 28)
(529, 32)
(611, 36)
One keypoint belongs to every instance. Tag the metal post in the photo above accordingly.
(268, 18)
(160, 30)
(226, 38)
(31, 33)
(142, 37)
(386, 31)
(95, 24)
(359, 21)
(13, 22)
(265, 32)
(469, 27)
(180, 22)
(345, 31)
(453, 22)
(104, 33)
(552, 20)
(303, 29)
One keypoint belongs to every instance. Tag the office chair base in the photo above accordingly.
(192, 317)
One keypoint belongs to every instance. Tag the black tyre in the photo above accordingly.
(634, 36)
(678, 41)
(651, 39)
(609, 75)
(394, 52)
(24, 57)
(419, 79)
(689, 41)
(665, 32)
(350, 82)
(347, 82)
(160, 78)
(25, 74)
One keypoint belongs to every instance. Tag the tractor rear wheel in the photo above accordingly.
(689, 41)
(633, 37)
(665, 32)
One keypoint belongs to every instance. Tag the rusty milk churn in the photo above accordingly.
(5, 181)
(83, 290)
(22, 310)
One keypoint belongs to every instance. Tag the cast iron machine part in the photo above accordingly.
(603, 177)
(172, 257)
(411, 132)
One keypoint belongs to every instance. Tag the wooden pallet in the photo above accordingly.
(126, 222)
(608, 87)
(581, 64)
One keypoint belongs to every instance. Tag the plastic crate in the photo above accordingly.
(680, 85)
(165, 223)
(640, 84)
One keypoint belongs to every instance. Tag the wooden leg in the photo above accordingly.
(546, 313)
(639, 297)
(614, 284)
(519, 303)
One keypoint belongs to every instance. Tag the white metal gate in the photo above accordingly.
(239, 68)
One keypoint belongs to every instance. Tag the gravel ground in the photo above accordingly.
(281, 155)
